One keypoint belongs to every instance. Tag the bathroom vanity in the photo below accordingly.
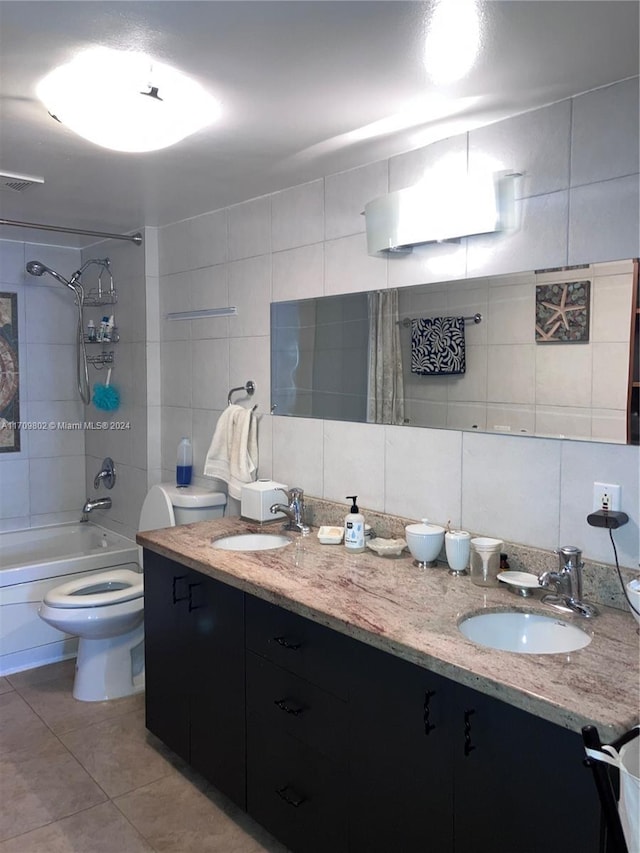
(333, 697)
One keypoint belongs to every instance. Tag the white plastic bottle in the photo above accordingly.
(354, 528)
(184, 465)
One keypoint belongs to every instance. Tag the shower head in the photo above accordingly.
(35, 268)
(38, 268)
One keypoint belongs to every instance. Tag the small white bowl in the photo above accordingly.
(633, 591)
(387, 547)
(425, 542)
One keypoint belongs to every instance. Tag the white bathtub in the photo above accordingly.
(35, 560)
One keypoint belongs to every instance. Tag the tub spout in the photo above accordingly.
(94, 503)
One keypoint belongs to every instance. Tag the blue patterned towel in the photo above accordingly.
(437, 346)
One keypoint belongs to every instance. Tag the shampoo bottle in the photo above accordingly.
(354, 528)
(185, 463)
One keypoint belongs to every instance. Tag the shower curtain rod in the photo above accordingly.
(133, 238)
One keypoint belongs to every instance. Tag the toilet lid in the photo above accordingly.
(157, 510)
(111, 587)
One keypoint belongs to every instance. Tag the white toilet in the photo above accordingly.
(106, 610)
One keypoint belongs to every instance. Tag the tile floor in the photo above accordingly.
(86, 777)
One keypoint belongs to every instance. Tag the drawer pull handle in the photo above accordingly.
(192, 605)
(287, 644)
(428, 726)
(290, 796)
(468, 746)
(289, 707)
(174, 592)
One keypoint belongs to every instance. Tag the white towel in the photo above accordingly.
(233, 454)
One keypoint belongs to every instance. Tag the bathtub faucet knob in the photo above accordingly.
(106, 475)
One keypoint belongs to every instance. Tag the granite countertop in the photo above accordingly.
(412, 613)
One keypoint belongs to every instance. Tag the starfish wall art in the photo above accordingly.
(562, 312)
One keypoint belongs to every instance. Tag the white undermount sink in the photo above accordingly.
(251, 542)
(523, 633)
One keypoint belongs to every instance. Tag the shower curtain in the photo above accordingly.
(385, 390)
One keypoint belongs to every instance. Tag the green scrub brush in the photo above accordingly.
(105, 396)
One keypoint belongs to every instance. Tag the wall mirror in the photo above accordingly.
(546, 353)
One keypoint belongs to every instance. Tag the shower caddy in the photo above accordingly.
(95, 298)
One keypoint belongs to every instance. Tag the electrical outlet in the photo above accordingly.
(607, 496)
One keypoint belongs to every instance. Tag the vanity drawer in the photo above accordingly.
(315, 653)
(295, 792)
(290, 704)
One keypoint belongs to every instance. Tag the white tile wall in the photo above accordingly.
(604, 222)
(297, 216)
(298, 453)
(505, 494)
(423, 473)
(56, 484)
(346, 194)
(298, 273)
(349, 269)
(250, 291)
(250, 229)
(563, 374)
(29, 480)
(604, 141)
(581, 468)
(540, 239)
(536, 144)
(353, 462)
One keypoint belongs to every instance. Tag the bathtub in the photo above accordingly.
(32, 562)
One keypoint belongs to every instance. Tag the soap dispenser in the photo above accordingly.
(354, 528)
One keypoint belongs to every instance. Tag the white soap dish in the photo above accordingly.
(330, 535)
(521, 583)
(387, 547)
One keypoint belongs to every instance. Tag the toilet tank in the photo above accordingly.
(193, 503)
(166, 505)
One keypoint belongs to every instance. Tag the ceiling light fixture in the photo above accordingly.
(126, 101)
(454, 37)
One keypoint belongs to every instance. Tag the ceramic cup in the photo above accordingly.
(485, 560)
(457, 546)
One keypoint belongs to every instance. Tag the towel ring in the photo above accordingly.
(249, 387)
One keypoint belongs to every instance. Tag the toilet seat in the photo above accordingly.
(112, 587)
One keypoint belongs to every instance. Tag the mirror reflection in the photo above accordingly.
(532, 353)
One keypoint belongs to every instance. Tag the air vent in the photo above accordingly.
(17, 183)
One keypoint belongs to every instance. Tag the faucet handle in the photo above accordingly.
(569, 555)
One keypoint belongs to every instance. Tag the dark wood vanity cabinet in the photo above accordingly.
(194, 659)
(297, 727)
(441, 767)
(337, 747)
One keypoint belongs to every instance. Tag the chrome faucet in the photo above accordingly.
(294, 510)
(568, 583)
(94, 503)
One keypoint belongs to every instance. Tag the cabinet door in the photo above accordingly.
(166, 628)
(217, 692)
(401, 779)
(520, 782)
(295, 792)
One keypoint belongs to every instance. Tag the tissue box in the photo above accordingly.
(256, 498)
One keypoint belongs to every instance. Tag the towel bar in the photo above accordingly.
(477, 318)
(249, 387)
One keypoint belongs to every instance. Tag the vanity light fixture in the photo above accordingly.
(126, 101)
(231, 311)
(437, 211)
